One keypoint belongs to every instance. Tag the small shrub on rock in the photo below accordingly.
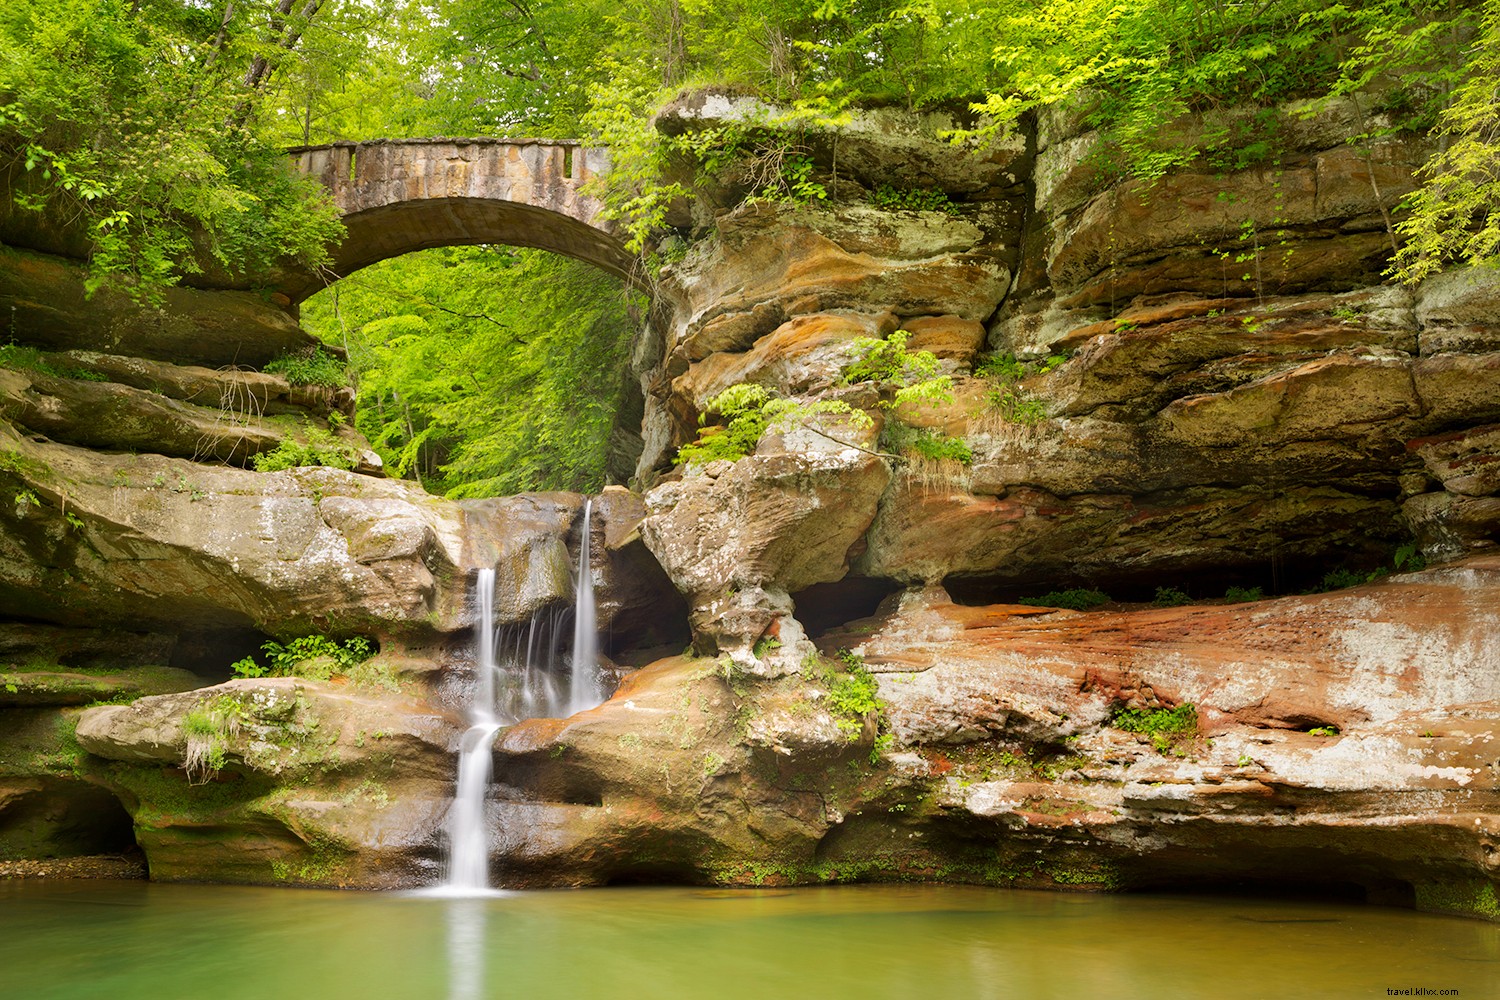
(1077, 599)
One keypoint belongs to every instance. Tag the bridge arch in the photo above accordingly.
(401, 195)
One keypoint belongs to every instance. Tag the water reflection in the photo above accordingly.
(466, 939)
(144, 942)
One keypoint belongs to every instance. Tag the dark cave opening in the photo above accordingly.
(210, 653)
(827, 606)
(1271, 578)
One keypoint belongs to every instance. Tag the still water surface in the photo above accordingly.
(129, 940)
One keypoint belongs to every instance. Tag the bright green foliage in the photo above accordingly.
(903, 439)
(747, 411)
(1006, 369)
(140, 122)
(912, 199)
(1134, 68)
(1015, 405)
(313, 366)
(1006, 399)
(917, 374)
(484, 371)
(1170, 721)
(1170, 597)
(1408, 557)
(1078, 599)
(1323, 731)
(321, 448)
(1340, 578)
(208, 729)
(1456, 213)
(853, 696)
(1239, 594)
(315, 657)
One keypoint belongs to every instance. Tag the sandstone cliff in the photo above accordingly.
(1190, 386)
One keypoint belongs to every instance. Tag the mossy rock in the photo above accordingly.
(65, 686)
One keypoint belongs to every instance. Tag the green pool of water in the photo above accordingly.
(123, 941)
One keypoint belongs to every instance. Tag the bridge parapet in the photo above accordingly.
(546, 173)
(399, 195)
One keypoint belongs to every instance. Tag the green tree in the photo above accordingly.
(484, 370)
(136, 124)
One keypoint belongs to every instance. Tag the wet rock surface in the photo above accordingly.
(1337, 737)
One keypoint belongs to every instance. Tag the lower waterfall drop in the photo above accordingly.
(468, 838)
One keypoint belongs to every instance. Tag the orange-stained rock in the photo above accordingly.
(804, 354)
(951, 338)
(1343, 736)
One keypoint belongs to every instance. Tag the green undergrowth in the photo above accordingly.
(209, 727)
(912, 199)
(1169, 729)
(853, 698)
(311, 366)
(1407, 558)
(269, 731)
(320, 448)
(319, 658)
(922, 442)
(19, 358)
(1170, 597)
(734, 421)
(1006, 400)
(1077, 599)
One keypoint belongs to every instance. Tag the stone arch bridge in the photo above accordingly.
(400, 195)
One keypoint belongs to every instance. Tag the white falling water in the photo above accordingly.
(516, 678)
(483, 709)
(468, 839)
(585, 691)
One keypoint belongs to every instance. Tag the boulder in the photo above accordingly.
(169, 544)
(304, 782)
(737, 540)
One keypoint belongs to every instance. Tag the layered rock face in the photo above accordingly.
(1197, 381)
(1345, 737)
(1186, 386)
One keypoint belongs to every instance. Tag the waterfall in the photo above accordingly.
(468, 840)
(468, 843)
(483, 709)
(516, 677)
(585, 692)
